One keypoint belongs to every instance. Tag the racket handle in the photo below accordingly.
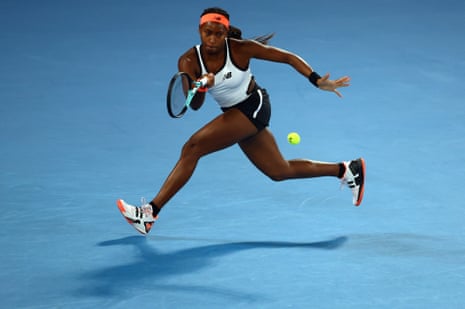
(202, 82)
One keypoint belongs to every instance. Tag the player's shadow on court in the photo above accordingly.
(152, 268)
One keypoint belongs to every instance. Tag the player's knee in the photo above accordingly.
(189, 149)
(192, 149)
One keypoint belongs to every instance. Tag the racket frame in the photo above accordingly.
(190, 93)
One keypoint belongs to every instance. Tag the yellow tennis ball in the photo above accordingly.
(293, 138)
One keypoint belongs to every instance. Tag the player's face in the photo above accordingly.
(212, 36)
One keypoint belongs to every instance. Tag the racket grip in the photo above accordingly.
(202, 82)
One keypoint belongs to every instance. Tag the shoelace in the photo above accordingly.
(343, 183)
(145, 208)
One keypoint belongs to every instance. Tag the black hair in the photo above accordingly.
(235, 32)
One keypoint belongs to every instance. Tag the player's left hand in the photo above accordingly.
(324, 83)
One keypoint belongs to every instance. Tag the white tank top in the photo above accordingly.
(231, 83)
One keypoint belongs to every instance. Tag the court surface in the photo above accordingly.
(83, 122)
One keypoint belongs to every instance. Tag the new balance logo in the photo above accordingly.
(227, 75)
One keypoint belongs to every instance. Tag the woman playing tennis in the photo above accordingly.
(224, 57)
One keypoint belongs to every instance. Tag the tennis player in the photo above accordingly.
(224, 57)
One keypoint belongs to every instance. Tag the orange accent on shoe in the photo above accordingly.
(120, 205)
(148, 226)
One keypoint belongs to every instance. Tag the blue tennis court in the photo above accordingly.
(83, 122)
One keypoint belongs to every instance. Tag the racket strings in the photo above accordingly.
(178, 94)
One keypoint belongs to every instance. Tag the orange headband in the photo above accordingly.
(216, 18)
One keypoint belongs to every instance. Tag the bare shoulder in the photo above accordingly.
(245, 45)
(188, 53)
(253, 49)
(244, 50)
(187, 62)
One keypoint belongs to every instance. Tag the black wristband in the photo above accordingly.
(313, 77)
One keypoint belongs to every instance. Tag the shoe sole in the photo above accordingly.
(362, 186)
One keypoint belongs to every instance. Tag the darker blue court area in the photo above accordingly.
(83, 122)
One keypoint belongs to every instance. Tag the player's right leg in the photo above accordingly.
(140, 218)
(223, 131)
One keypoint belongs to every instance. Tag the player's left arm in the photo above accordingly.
(271, 53)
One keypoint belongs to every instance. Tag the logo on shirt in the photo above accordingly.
(227, 75)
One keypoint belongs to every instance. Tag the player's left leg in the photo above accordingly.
(263, 152)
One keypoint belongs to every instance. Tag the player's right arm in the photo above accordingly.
(188, 63)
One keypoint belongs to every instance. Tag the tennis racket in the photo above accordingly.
(180, 93)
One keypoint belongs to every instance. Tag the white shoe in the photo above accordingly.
(141, 218)
(354, 178)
